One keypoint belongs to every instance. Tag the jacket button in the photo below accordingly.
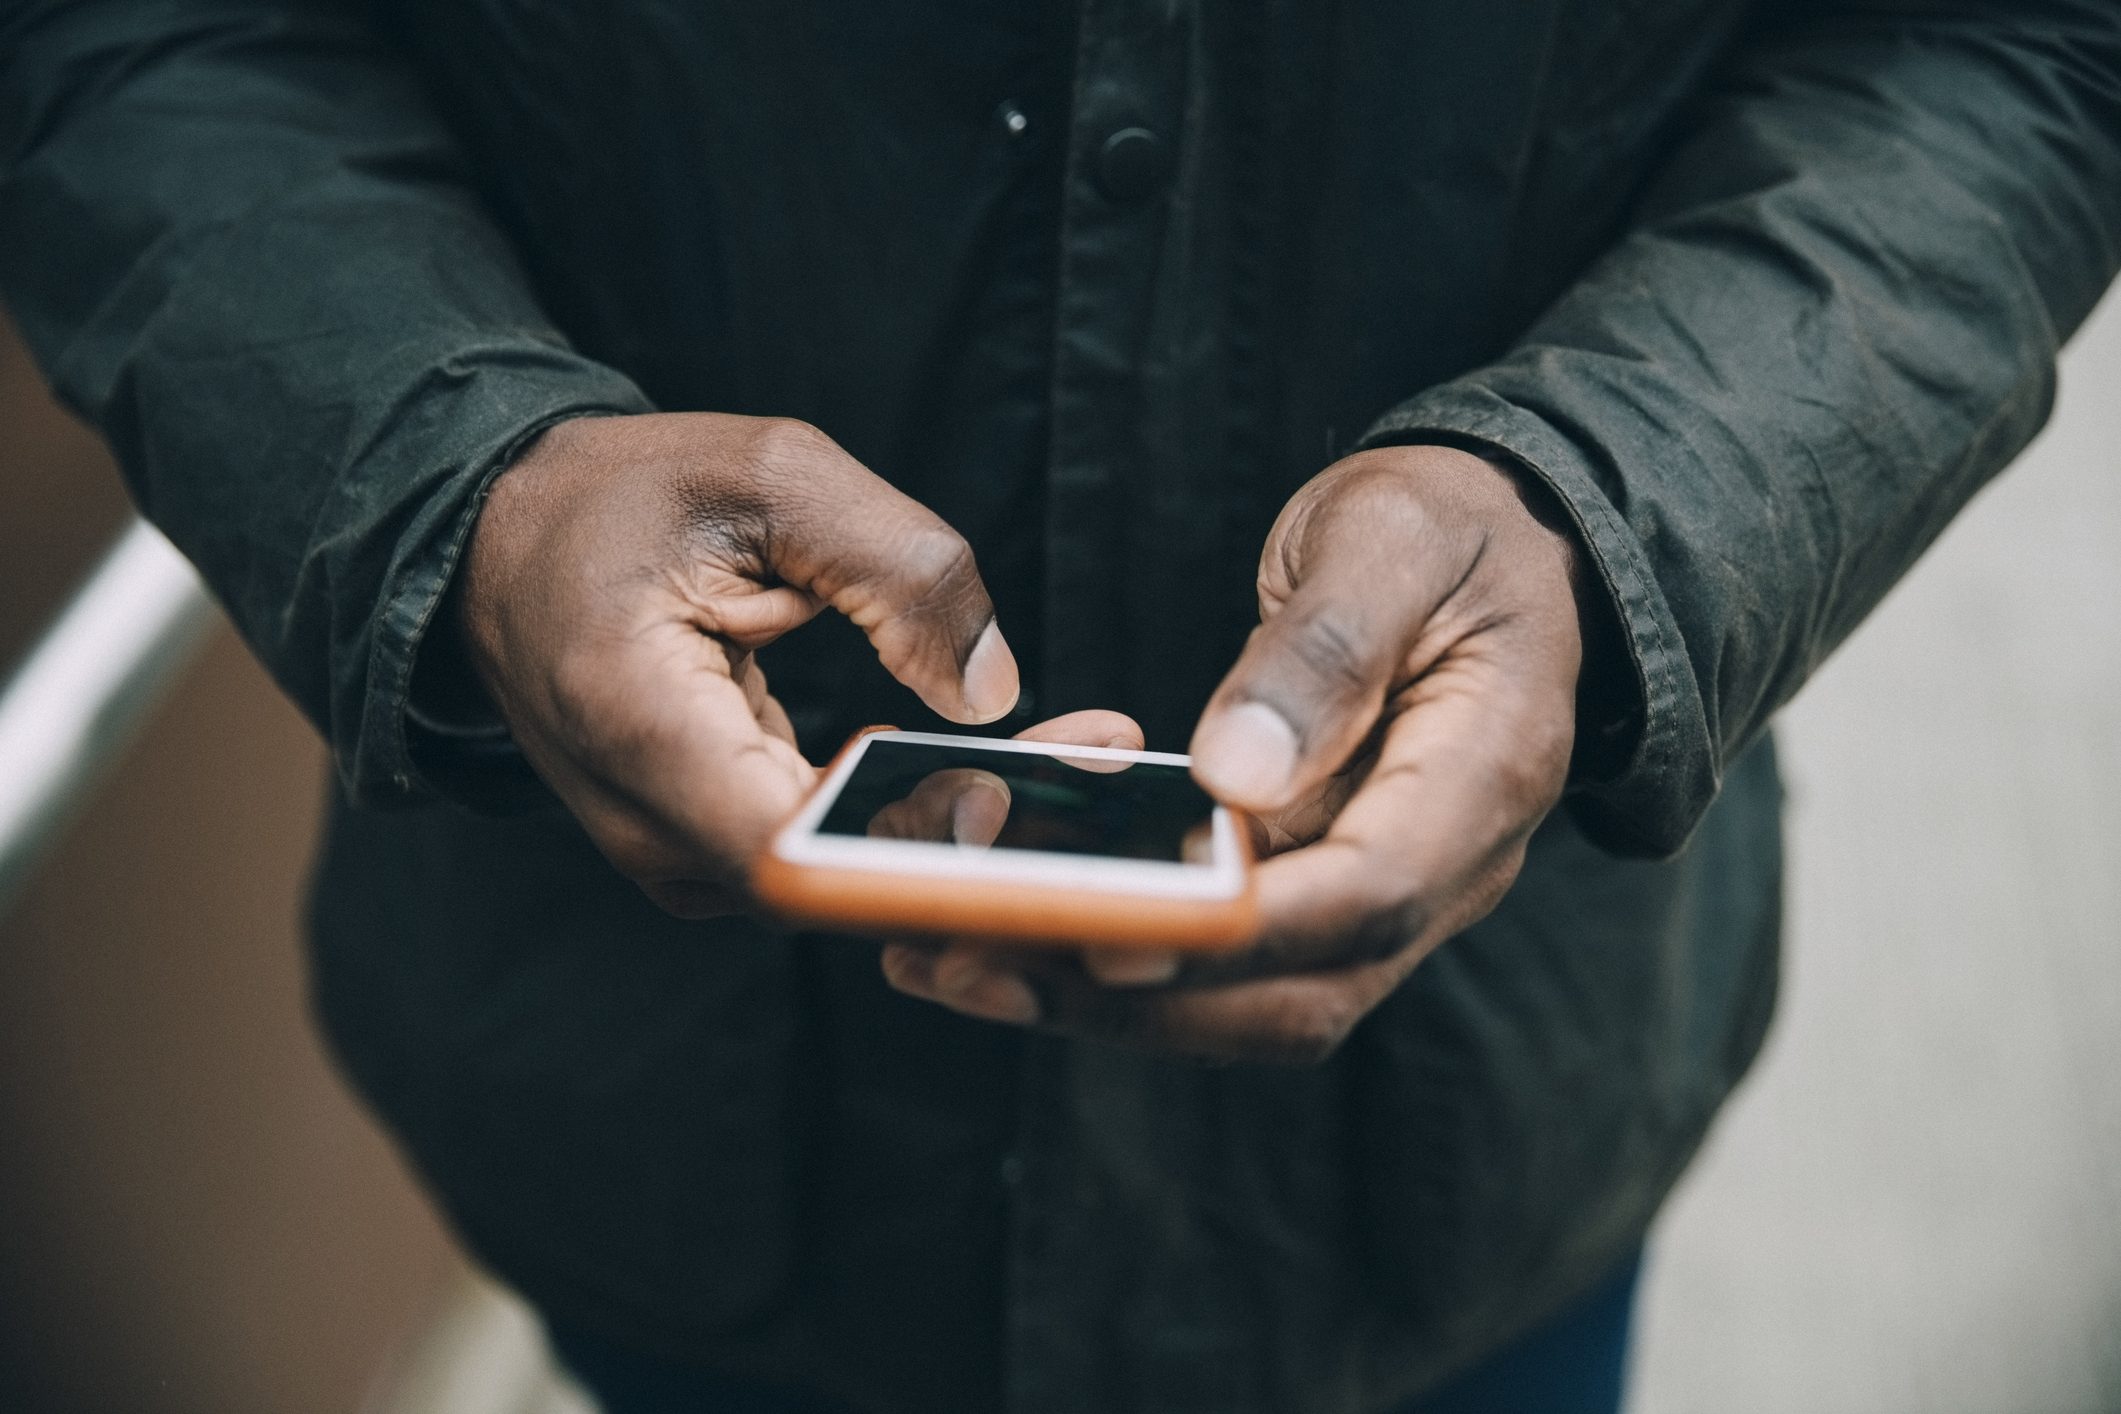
(1132, 164)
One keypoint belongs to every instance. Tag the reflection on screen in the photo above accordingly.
(1021, 800)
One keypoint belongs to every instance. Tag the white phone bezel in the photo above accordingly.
(1221, 876)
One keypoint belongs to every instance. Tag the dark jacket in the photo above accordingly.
(1762, 292)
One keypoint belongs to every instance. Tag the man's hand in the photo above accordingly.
(1399, 723)
(620, 578)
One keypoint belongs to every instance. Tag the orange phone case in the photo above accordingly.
(871, 901)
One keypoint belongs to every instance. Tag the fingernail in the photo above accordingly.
(1132, 969)
(1246, 755)
(978, 815)
(990, 993)
(990, 676)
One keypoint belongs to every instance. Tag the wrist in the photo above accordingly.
(1608, 702)
(454, 729)
(509, 537)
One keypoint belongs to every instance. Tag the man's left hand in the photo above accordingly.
(1398, 725)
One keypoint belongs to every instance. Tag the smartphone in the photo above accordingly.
(1016, 841)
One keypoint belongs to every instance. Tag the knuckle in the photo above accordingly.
(1548, 734)
(1531, 771)
(1388, 924)
(939, 570)
(935, 555)
(634, 849)
(1380, 497)
(1517, 775)
(782, 443)
(1311, 1031)
(1387, 908)
(1500, 879)
(1385, 506)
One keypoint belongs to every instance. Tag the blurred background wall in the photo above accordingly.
(1915, 1204)
(194, 1215)
(1913, 1208)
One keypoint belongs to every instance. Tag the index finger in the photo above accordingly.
(681, 781)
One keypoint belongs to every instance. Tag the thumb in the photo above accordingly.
(902, 575)
(1313, 678)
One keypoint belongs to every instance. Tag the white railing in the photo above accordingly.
(77, 698)
(65, 716)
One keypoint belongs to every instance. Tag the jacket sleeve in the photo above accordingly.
(241, 245)
(1835, 314)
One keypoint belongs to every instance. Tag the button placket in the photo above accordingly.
(1125, 128)
(1132, 165)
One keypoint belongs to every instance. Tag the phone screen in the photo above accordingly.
(1146, 810)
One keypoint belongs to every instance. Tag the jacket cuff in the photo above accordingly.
(1645, 769)
(402, 754)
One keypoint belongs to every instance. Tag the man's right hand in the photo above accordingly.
(621, 576)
